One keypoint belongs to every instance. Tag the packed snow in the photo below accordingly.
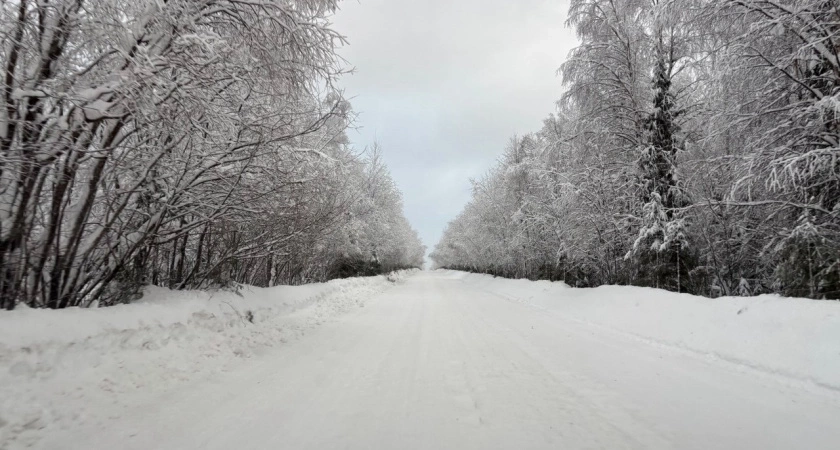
(436, 359)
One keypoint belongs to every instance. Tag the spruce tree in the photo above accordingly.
(661, 249)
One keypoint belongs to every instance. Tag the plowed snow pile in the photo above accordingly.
(796, 338)
(56, 367)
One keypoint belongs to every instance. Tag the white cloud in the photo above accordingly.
(443, 85)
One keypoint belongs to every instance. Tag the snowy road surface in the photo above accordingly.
(435, 363)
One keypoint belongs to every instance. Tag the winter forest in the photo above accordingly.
(695, 149)
(198, 144)
(185, 144)
(214, 217)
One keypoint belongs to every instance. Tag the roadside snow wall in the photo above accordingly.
(791, 337)
(153, 345)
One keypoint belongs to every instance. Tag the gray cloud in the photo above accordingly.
(443, 85)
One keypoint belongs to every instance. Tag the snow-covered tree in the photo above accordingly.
(695, 149)
(186, 143)
(661, 248)
(792, 51)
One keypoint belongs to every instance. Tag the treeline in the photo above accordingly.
(184, 143)
(695, 149)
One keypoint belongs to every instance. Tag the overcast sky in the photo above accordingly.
(442, 85)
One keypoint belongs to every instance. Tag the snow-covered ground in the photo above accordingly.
(436, 360)
(795, 338)
(85, 367)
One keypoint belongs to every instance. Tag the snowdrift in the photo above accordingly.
(798, 339)
(53, 362)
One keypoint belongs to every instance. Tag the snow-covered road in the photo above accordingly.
(436, 363)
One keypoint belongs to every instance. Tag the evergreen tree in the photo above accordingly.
(661, 246)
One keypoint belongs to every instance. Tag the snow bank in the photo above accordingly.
(53, 362)
(795, 338)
